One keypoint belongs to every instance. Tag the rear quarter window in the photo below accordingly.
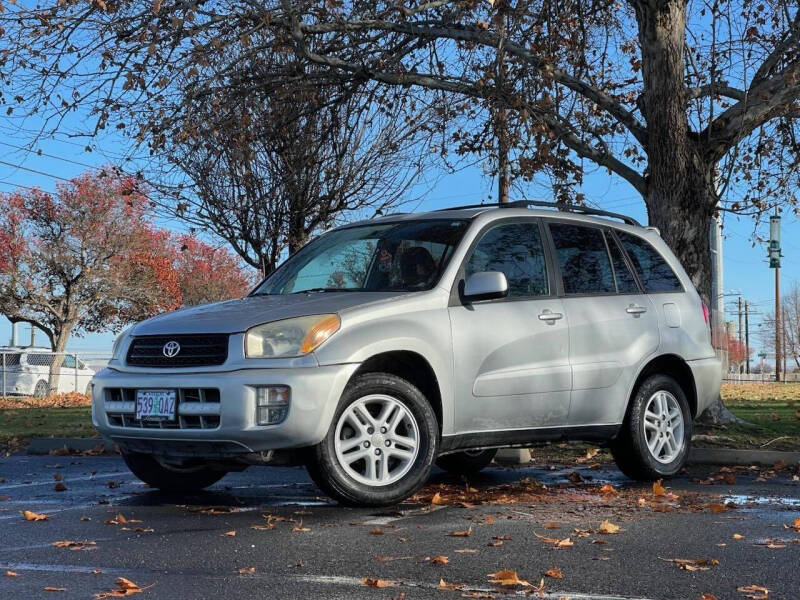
(654, 272)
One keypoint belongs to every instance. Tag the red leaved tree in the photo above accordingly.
(209, 273)
(86, 258)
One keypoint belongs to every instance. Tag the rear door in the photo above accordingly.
(612, 325)
(511, 356)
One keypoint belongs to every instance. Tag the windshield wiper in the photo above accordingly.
(320, 289)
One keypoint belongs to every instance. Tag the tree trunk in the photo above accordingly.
(59, 344)
(297, 232)
(681, 194)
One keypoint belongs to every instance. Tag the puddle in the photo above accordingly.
(745, 501)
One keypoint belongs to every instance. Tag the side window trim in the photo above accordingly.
(611, 232)
(557, 267)
(455, 291)
(636, 274)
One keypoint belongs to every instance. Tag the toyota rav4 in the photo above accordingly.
(386, 346)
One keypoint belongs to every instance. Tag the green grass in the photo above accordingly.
(46, 422)
(774, 426)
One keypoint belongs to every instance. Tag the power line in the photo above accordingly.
(2, 162)
(40, 153)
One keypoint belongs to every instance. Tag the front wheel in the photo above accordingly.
(170, 478)
(381, 444)
(41, 389)
(655, 438)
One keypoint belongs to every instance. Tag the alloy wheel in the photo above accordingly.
(663, 426)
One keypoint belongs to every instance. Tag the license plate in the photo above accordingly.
(155, 405)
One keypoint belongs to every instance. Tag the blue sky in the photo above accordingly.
(745, 267)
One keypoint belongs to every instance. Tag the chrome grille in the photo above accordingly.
(195, 351)
(197, 408)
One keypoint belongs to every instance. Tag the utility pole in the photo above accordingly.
(775, 263)
(741, 366)
(747, 336)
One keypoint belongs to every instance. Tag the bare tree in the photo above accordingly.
(266, 173)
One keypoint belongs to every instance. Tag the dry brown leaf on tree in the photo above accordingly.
(377, 583)
(507, 577)
(32, 516)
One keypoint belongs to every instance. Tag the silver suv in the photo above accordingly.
(385, 346)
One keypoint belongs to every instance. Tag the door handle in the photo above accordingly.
(634, 309)
(547, 315)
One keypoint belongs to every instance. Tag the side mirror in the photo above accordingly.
(486, 285)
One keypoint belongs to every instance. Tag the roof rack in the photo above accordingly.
(585, 210)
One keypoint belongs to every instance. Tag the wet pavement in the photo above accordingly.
(267, 533)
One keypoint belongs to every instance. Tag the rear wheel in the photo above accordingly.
(468, 462)
(41, 389)
(171, 478)
(655, 438)
(381, 444)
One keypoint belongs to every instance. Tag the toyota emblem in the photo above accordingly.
(171, 349)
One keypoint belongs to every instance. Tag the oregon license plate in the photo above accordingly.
(155, 405)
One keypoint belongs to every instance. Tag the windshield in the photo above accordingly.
(408, 256)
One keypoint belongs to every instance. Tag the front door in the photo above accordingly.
(613, 327)
(511, 356)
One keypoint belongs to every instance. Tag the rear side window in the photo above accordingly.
(583, 258)
(654, 272)
(39, 359)
(514, 249)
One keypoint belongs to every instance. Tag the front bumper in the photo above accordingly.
(315, 393)
(707, 374)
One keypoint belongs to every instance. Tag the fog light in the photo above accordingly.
(272, 403)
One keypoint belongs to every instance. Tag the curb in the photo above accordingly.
(725, 456)
(65, 446)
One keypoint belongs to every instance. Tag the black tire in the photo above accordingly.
(630, 449)
(168, 478)
(326, 471)
(41, 389)
(468, 462)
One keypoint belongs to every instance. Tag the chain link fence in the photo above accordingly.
(26, 372)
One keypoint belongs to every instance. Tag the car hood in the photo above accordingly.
(233, 316)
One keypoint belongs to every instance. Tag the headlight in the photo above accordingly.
(118, 343)
(290, 337)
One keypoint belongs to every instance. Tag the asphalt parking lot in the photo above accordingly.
(266, 533)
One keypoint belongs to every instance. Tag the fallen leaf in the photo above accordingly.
(231, 533)
(75, 545)
(591, 453)
(439, 560)
(299, 527)
(557, 542)
(608, 490)
(391, 558)
(125, 587)
(495, 543)
(466, 533)
(467, 551)
(507, 577)
(32, 516)
(658, 489)
(754, 592)
(11, 574)
(246, 570)
(607, 527)
(443, 585)
(694, 564)
(738, 536)
(717, 508)
(708, 596)
(60, 487)
(437, 499)
(555, 573)
(377, 583)
(51, 588)
(795, 526)
(377, 531)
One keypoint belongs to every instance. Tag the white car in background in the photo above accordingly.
(25, 371)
